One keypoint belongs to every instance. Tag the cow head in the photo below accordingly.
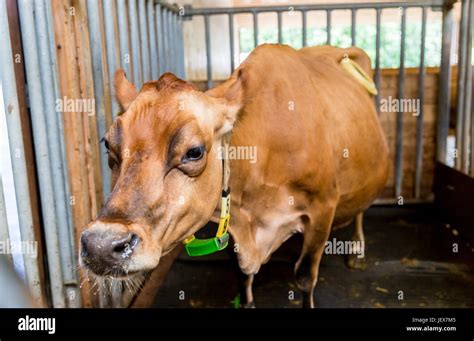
(166, 171)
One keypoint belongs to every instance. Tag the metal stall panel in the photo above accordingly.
(113, 53)
(55, 141)
(39, 120)
(18, 163)
(96, 32)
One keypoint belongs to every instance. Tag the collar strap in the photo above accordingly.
(201, 247)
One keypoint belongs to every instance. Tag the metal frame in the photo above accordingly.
(424, 5)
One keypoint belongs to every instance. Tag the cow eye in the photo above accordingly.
(194, 154)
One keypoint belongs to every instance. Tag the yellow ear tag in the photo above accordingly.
(359, 74)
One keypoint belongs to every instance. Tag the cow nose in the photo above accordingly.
(105, 250)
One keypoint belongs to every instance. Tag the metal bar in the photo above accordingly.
(145, 51)
(135, 43)
(95, 38)
(173, 40)
(280, 29)
(466, 135)
(462, 55)
(231, 42)
(353, 26)
(471, 147)
(159, 39)
(169, 56)
(182, 71)
(165, 27)
(173, 8)
(255, 28)
(399, 123)
(15, 139)
(378, 15)
(123, 35)
(208, 51)
(444, 87)
(419, 119)
(328, 27)
(303, 24)
(4, 233)
(40, 126)
(56, 161)
(314, 7)
(112, 55)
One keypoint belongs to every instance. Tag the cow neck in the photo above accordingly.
(201, 247)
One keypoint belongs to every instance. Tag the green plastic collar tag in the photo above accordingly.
(202, 247)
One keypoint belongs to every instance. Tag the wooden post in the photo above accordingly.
(80, 130)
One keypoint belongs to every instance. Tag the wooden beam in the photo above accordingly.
(74, 127)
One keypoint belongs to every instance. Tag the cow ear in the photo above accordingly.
(230, 96)
(125, 91)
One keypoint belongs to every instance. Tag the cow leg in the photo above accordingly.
(354, 261)
(244, 281)
(316, 234)
(246, 293)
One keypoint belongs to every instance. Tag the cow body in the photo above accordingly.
(321, 154)
(321, 158)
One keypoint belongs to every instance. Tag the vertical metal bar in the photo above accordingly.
(231, 42)
(208, 51)
(45, 174)
(303, 24)
(466, 135)
(399, 123)
(378, 15)
(353, 26)
(15, 139)
(152, 36)
(135, 43)
(169, 53)
(444, 87)
(165, 27)
(182, 71)
(419, 119)
(4, 234)
(123, 26)
(112, 55)
(55, 140)
(173, 39)
(159, 39)
(145, 52)
(280, 29)
(462, 54)
(328, 27)
(255, 28)
(471, 147)
(95, 38)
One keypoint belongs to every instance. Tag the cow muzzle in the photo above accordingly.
(108, 252)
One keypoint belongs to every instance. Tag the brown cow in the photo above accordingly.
(321, 159)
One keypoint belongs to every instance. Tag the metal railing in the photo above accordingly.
(446, 6)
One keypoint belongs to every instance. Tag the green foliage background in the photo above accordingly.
(365, 39)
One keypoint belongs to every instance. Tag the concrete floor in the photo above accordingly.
(408, 252)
